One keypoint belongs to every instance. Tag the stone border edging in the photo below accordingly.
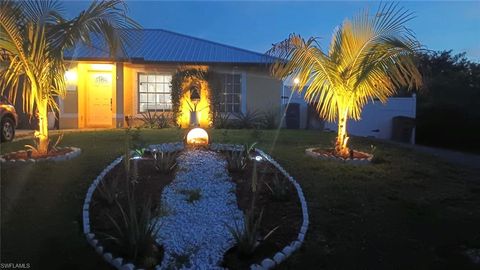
(287, 251)
(356, 161)
(70, 155)
(267, 263)
(117, 263)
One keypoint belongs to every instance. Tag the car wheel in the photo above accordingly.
(8, 129)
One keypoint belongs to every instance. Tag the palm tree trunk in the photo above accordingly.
(42, 132)
(341, 148)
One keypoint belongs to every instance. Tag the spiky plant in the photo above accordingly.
(33, 37)
(370, 57)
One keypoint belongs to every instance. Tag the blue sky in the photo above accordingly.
(256, 25)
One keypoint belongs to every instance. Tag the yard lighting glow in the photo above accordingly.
(71, 76)
(296, 81)
(258, 158)
(197, 136)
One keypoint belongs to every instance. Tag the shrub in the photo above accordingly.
(236, 160)
(149, 119)
(135, 228)
(109, 191)
(250, 119)
(270, 119)
(247, 237)
(165, 161)
(135, 223)
(222, 120)
(163, 121)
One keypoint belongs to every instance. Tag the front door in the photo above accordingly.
(99, 99)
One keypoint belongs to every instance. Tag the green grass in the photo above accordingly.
(409, 211)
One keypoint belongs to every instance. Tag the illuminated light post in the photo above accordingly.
(195, 98)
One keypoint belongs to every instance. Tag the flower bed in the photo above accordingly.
(22, 156)
(202, 200)
(358, 157)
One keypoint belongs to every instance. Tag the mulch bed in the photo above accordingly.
(286, 215)
(150, 184)
(331, 152)
(24, 154)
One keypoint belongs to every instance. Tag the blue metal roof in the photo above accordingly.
(157, 45)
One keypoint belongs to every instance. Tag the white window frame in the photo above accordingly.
(139, 92)
(242, 95)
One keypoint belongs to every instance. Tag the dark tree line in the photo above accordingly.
(448, 108)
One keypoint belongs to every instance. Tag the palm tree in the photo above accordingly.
(33, 37)
(369, 58)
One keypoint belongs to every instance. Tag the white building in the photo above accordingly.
(377, 119)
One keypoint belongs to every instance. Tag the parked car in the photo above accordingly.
(8, 120)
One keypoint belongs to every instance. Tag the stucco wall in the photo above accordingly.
(263, 91)
(73, 107)
(377, 118)
(260, 91)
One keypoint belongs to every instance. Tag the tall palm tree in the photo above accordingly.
(33, 37)
(369, 58)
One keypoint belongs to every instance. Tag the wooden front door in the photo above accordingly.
(99, 99)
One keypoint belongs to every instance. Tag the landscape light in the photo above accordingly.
(197, 137)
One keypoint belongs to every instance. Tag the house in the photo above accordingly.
(393, 120)
(105, 92)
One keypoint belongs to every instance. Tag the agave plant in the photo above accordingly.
(222, 120)
(149, 119)
(249, 119)
(165, 161)
(247, 237)
(278, 188)
(33, 37)
(236, 160)
(110, 191)
(370, 58)
(135, 228)
(163, 121)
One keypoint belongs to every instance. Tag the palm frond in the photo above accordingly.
(369, 57)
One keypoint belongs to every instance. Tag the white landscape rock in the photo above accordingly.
(198, 231)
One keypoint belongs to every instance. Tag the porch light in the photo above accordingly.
(197, 137)
(71, 76)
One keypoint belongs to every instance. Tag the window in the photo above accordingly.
(230, 99)
(154, 92)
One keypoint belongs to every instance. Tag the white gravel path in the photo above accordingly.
(195, 235)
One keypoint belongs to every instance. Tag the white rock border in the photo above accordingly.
(267, 263)
(287, 251)
(70, 155)
(355, 161)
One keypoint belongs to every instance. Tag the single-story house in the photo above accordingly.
(104, 92)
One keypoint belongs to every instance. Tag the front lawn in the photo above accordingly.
(408, 211)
